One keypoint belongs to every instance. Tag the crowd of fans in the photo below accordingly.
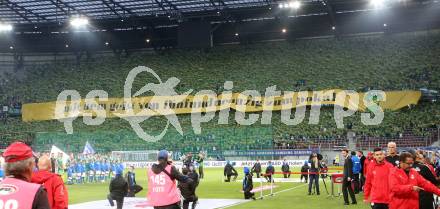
(395, 62)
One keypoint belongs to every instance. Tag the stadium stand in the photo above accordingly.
(359, 63)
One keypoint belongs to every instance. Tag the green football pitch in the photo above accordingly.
(286, 195)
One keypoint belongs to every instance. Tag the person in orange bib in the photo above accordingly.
(17, 191)
(162, 188)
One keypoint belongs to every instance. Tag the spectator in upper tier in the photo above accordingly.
(56, 190)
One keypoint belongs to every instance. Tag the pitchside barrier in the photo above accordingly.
(336, 178)
(221, 164)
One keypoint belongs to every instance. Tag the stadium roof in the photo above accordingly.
(40, 25)
(37, 11)
(34, 12)
(46, 11)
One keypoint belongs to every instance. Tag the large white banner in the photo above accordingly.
(220, 164)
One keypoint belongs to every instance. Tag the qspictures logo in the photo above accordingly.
(250, 106)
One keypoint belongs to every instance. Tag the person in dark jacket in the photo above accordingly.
(304, 170)
(256, 168)
(193, 175)
(133, 187)
(286, 169)
(53, 161)
(357, 168)
(118, 190)
(392, 156)
(270, 170)
(230, 171)
(188, 161)
(248, 185)
(314, 174)
(362, 158)
(348, 177)
(188, 190)
(426, 199)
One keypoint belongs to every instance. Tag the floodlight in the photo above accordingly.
(5, 27)
(377, 3)
(295, 4)
(78, 22)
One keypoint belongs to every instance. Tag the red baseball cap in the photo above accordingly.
(17, 151)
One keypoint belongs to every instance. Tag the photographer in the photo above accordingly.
(256, 169)
(162, 189)
(286, 169)
(270, 170)
(230, 171)
(314, 173)
(188, 190)
(188, 161)
(304, 171)
(324, 170)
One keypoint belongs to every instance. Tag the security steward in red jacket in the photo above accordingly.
(405, 184)
(376, 189)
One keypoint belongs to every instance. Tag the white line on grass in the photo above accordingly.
(285, 190)
(239, 203)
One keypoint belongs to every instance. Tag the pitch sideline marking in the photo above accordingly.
(239, 203)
